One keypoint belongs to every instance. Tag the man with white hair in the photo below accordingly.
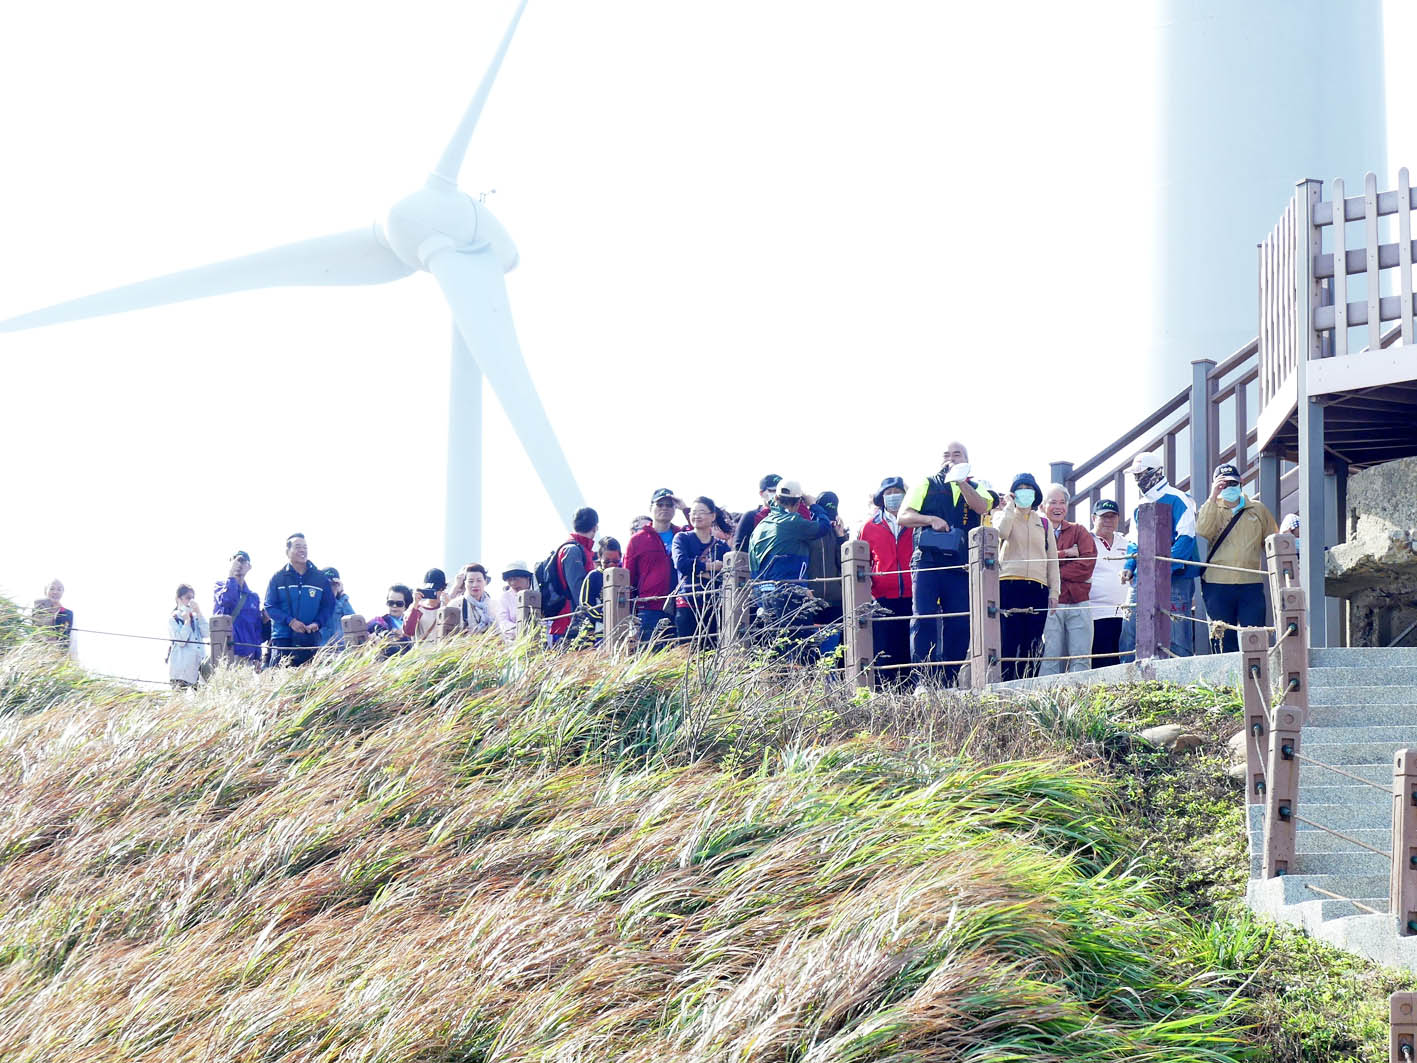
(1067, 633)
(1149, 474)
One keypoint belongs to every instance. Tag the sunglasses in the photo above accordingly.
(396, 601)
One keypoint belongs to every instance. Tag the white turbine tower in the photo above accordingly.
(437, 229)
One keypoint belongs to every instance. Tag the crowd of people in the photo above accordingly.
(1066, 587)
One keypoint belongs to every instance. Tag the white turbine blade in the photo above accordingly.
(476, 289)
(453, 155)
(355, 257)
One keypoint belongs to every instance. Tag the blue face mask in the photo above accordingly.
(893, 499)
(1024, 497)
(1232, 495)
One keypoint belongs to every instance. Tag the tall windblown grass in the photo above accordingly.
(471, 853)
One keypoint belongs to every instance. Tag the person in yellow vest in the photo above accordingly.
(1236, 527)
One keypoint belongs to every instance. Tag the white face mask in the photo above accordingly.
(893, 499)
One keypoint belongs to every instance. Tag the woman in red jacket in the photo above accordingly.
(891, 547)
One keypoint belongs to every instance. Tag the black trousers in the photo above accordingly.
(1022, 633)
(1106, 639)
(892, 642)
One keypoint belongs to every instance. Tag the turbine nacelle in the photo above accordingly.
(440, 217)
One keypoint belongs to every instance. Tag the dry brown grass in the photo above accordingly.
(469, 855)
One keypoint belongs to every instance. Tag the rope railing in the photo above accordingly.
(1344, 837)
(1340, 897)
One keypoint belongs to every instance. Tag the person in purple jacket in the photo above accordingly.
(238, 601)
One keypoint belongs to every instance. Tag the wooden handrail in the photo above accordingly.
(1249, 350)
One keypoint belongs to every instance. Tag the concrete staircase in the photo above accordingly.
(1362, 708)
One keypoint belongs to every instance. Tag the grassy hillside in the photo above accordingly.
(466, 854)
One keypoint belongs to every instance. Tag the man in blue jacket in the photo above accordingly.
(300, 604)
(235, 599)
(1149, 473)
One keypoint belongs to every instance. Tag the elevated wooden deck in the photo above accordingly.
(1312, 397)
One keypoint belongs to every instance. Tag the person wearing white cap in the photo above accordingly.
(1149, 473)
(517, 578)
(1290, 526)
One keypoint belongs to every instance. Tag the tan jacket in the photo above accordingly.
(1028, 551)
(1243, 547)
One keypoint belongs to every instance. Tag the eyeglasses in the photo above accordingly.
(392, 602)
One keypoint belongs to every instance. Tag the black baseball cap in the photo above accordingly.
(1105, 505)
(1226, 471)
(662, 494)
(243, 555)
(331, 573)
(434, 578)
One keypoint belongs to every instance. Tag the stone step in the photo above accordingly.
(1350, 794)
(1350, 861)
(1345, 817)
(1397, 734)
(1359, 715)
(1371, 675)
(1338, 656)
(1354, 752)
(1293, 889)
(1367, 694)
(1314, 775)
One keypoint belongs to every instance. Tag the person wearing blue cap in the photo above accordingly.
(233, 598)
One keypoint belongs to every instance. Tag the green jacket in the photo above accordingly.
(778, 548)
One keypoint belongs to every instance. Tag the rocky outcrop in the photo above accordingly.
(1376, 568)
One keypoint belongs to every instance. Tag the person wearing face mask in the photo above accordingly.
(943, 508)
(1029, 584)
(1236, 527)
(1149, 474)
(891, 546)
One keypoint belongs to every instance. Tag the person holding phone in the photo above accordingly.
(422, 619)
(189, 631)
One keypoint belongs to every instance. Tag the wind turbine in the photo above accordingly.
(439, 230)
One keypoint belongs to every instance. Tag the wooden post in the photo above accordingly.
(1402, 1018)
(356, 630)
(985, 638)
(1282, 559)
(449, 622)
(1254, 672)
(529, 615)
(1293, 634)
(1282, 776)
(858, 637)
(1062, 473)
(615, 606)
(1403, 893)
(1203, 441)
(1282, 791)
(735, 599)
(1153, 576)
(223, 642)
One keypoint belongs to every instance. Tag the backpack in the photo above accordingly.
(554, 592)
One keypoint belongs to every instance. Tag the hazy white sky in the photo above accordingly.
(817, 238)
